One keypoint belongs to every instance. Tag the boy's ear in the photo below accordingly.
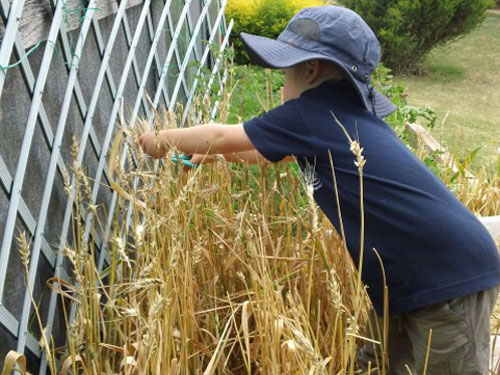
(313, 70)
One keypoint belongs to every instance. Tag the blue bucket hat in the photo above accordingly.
(331, 33)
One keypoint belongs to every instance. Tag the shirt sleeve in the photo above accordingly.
(281, 132)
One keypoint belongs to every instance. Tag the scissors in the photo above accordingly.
(185, 159)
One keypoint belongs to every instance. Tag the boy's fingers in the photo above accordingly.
(141, 140)
(196, 159)
(138, 141)
(147, 143)
(201, 159)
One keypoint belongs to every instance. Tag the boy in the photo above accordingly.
(441, 264)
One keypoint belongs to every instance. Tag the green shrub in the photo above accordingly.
(409, 29)
(261, 17)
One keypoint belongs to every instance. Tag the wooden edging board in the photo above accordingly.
(492, 223)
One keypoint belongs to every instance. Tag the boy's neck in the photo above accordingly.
(319, 82)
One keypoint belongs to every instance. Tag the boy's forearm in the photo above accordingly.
(252, 157)
(196, 140)
(206, 139)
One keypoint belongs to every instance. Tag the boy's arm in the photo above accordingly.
(203, 139)
(251, 157)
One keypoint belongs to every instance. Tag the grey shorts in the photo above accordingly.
(460, 342)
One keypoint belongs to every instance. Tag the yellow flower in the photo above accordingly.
(243, 8)
(246, 8)
(299, 4)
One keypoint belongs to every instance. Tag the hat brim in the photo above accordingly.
(270, 53)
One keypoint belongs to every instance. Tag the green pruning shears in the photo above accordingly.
(185, 159)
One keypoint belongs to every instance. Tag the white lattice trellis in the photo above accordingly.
(158, 30)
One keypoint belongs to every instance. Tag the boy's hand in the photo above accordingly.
(202, 159)
(151, 144)
(198, 159)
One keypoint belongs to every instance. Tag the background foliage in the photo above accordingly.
(408, 30)
(263, 17)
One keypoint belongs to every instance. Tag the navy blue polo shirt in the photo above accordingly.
(432, 247)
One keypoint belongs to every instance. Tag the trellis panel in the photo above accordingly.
(66, 69)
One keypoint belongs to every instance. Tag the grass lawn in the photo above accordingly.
(462, 83)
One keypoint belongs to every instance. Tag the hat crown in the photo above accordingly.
(336, 32)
